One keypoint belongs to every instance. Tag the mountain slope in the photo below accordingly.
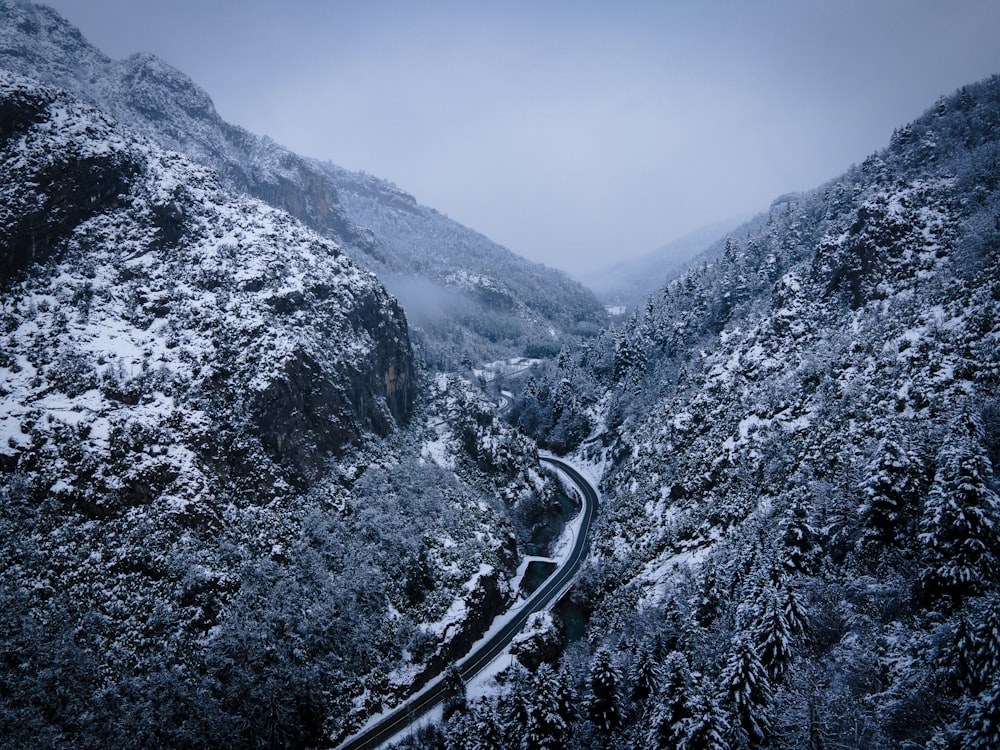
(230, 517)
(629, 282)
(497, 303)
(459, 286)
(161, 283)
(800, 528)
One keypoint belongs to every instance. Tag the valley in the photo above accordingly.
(499, 637)
(279, 445)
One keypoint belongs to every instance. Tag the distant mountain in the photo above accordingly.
(799, 543)
(458, 286)
(628, 282)
(488, 302)
(230, 517)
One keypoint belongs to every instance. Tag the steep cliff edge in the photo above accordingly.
(132, 278)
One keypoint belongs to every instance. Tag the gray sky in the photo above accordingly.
(575, 133)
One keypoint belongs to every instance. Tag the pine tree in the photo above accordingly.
(797, 534)
(630, 357)
(892, 491)
(981, 723)
(455, 693)
(749, 689)
(671, 711)
(959, 521)
(709, 600)
(772, 632)
(458, 732)
(977, 642)
(566, 702)
(514, 708)
(604, 708)
(545, 728)
(644, 676)
(796, 612)
(487, 729)
(420, 578)
(703, 729)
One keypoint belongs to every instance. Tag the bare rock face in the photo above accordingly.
(48, 197)
(304, 415)
(147, 306)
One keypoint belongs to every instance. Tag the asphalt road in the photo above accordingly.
(546, 594)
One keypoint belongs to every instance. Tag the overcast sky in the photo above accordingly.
(575, 133)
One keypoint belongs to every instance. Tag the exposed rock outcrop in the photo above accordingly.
(190, 301)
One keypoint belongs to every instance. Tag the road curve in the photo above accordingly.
(546, 594)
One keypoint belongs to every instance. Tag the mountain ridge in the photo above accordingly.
(223, 485)
(164, 104)
(798, 438)
(128, 216)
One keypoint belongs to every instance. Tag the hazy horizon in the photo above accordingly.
(575, 134)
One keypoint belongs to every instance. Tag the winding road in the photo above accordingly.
(546, 594)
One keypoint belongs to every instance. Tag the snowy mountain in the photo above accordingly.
(799, 439)
(629, 282)
(161, 288)
(457, 285)
(230, 516)
(237, 514)
(488, 302)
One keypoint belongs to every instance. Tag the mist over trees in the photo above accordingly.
(240, 511)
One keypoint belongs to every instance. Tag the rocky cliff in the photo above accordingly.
(132, 278)
(412, 248)
(230, 517)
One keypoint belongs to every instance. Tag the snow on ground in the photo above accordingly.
(509, 367)
(437, 450)
(482, 685)
(485, 684)
(454, 618)
(658, 574)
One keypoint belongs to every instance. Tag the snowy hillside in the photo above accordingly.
(629, 282)
(161, 291)
(230, 518)
(459, 286)
(800, 529)
(412, 248)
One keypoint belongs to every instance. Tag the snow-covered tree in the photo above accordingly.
(703, 729)
(566, 698)
(795, 609)
(545, 726)
(630, 355)
(644, 676)
(459, 732)
(892, 491)
(455, 693)
(772, 632)
(710, 595)
(958, 527)
(977, 642)
(981, 723)
(671, 711)
(797, 533)
(487, 729)
(604, 708)
(748, 687)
